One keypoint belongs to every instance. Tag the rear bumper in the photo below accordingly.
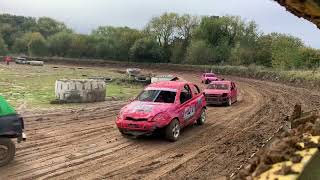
(216, 100)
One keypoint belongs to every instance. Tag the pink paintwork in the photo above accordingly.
(158, 105)
(221, 92)
(208, 77)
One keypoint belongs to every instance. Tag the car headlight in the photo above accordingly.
(160, 117)
(120, 114)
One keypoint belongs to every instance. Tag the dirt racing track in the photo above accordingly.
(85, 143)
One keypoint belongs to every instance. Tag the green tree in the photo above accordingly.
(31, 43)
(47, 26)
(115, 42)
(199, 52)
(285, 51)
(21, 44)
(78, 46)
(163, 28)
(178, 51)
(60, 43)
(185, 26)
(263, 50)
(13, 27)
(146, 50)
(9, 33)
(310, 57)
(3, 47)
(37, 45)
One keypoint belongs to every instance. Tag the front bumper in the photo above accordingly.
(216, 100)
(138, 127)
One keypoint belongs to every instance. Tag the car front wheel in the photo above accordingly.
(172, 131)
(229, 103)
(7, 151)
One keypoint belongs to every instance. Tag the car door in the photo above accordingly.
(186, 108)
(197, 100)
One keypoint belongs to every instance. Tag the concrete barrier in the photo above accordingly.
(80, 90)
(36, 63)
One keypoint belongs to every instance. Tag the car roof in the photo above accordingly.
(208, 73)
(220, 82)
(168, 84)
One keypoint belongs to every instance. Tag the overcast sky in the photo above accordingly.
(85, 15)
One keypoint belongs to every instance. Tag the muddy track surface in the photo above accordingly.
(85, 144)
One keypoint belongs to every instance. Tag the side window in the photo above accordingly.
(185, 94)
(195, 89)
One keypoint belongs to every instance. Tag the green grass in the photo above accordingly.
(123, 91)
(34, 86)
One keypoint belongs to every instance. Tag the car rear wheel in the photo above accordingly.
(172, 131)
(7, 151)
(202, 118)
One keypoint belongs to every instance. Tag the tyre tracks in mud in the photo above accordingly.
(85, 144)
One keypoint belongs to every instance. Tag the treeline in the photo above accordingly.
(168, 38)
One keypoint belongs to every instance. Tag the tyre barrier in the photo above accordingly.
(80, 90)
(143, 79)
(105, 79)
(133, 72)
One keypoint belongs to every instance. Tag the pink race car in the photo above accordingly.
(221, 92)
(208, 77)
(165, 106)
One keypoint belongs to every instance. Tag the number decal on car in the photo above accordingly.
(189, 112)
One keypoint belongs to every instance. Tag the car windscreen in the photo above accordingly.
(160, 96)
(218, 86)
(210, 75)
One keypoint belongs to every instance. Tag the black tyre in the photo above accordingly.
(172, 131)
(125, 135)
(229, 103)
(7, 151)
(203, 117)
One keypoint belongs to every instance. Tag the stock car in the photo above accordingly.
(221, 93)
(208, 77)
(163, 106)
(11, 127)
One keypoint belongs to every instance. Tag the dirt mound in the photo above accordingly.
(284, 147)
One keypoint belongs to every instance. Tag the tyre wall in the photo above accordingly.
(80, 90)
